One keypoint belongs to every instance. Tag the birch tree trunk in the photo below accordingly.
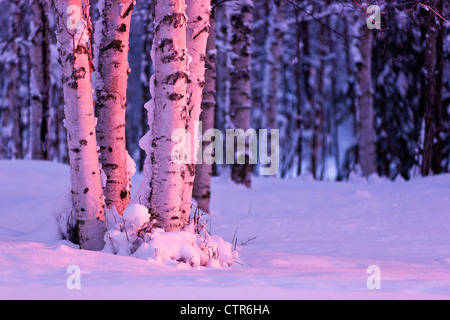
(162, 188)
(319, 110)
(241, 18)
(203, 171)
(273, 69)
(298, 89)
(112, 35)
(366, 139)
(73, 48)
(439, 110)
(11, 110)
(198, 27)
(147, 17)
(430, 92)
(40, 81)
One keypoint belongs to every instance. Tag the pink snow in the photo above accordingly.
(314, 240)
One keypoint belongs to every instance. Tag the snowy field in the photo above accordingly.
(312, 240)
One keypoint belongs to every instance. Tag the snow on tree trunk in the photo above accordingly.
(161, 190)
(112, 35)
(197, 31)
(366, 138)
(240, 39)
(40, 81)
(147, 14)
(203, 171)
(73, 47)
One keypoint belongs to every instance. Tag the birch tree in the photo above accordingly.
(112, 35)
(12, 59)
(241, 18)
(40, 81)
(162, 188)
(273, 66)
(74, 56)
(198, 28)
(203, 171)
(147, 14)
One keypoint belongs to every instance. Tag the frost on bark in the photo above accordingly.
(40, 81)
(203, 171)
(162, 188)
(366, 138)
(240, 39)
(87, 197)
(197, 31)
(112, 35)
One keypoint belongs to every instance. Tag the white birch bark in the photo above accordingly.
(112, 35)
(88, 204)
(240, 39)
(197, 31)
(203, 171)
(162, 188)
(40, 81)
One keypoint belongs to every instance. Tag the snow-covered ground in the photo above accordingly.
(313, 240)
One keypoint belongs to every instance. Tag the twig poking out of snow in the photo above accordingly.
(135, 235)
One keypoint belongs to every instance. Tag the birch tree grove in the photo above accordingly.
(74, 57)
(110, 84)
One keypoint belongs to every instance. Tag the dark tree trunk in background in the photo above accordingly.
(40, 81)
(366, 142)
(430, 93)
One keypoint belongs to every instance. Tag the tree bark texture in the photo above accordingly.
(112, 35)
(162, 188)
(74, 56)
(198, 27)
(203, 171)
(240, 39)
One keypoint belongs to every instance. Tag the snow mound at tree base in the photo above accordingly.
(187, 247)
(133, 235)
